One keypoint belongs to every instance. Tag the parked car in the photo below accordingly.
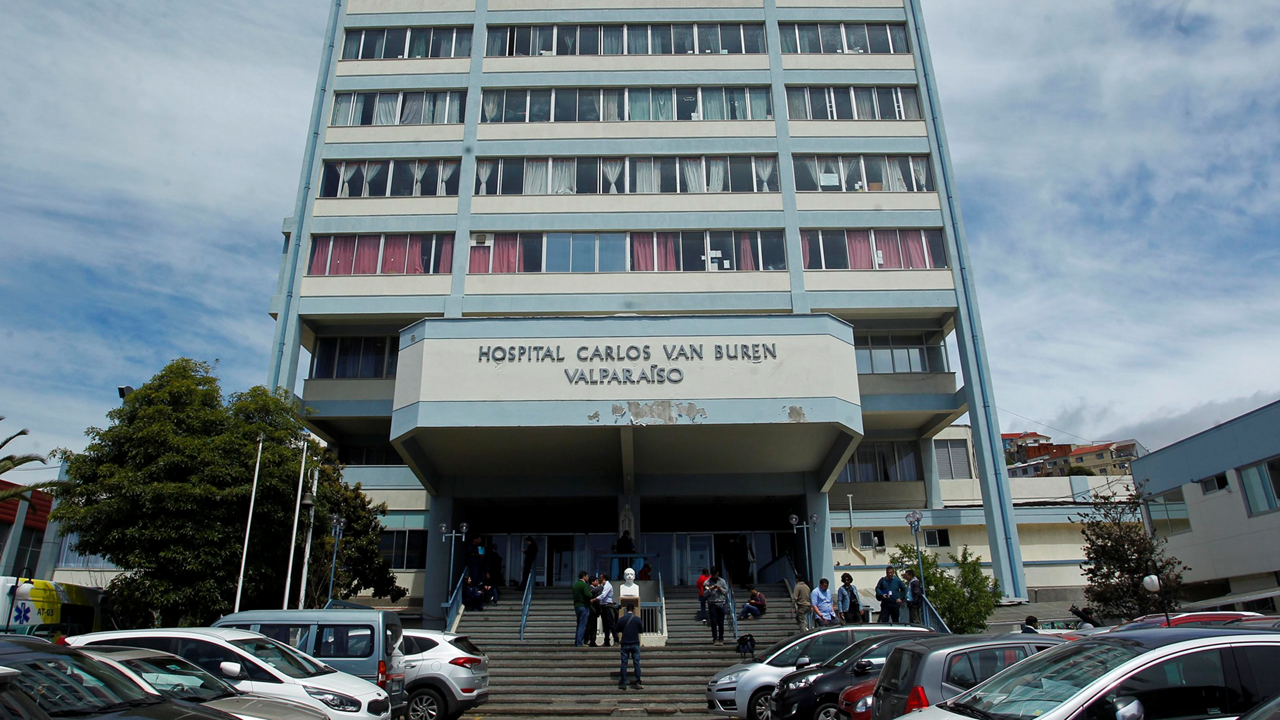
(14, 704)
(814, 693)
(257, 664)
(1262, 623)
(66, 683)
(930, 670)
(445, 674)
(1265, 711)
(170, 676)
(364, 643)
(856, 700)
(1153, 674)
(1214, 617)
(745, 689)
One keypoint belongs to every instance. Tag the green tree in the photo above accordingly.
(1081, 471)
(163, 492)
(964, 596)
(1119, 552)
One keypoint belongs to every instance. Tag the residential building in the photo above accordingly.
(567, 269)
(1016, 440)
(1109, 458)
(1214, 498)
(22, 532)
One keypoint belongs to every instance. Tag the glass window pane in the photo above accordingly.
(731, 38)
(798, 103)
(558, 252)
(613, 252)
(811, 249)
(588, 106)
(588, 175)
(809, 42)
(873, 168)
(373, 44)
(834, 250)
(341, 110)
(761, 104)
(567, 40)
(397, 39)
(937, 249)
(326, 352)
(666, 168)
(736, 103)
(589, 40)
(709, 38)
(638, 104)
(692, 251)
(530, 252)
(515, 106)
(462, 42)
(830, 37)
(881, 360)
(806, 170)
(373, 355)
(789, 43)
(566, 105)
(856, 37)
(829, 174)
(660, 37)
(637, 39)
(773, 252)
(496, 43)
(888, 102)
(402, 178)
(412, 107)
(612, 44)
(441, 43)
(865, 102)
(753, 39)
(910, 104)
(878, 36)
(682, 39)
(584, 253)
(523, 41)
(686, 103)
(351, 45)
(898, 36)
(512, 182)
(365, 109)
(539, 105)
(843, 103)
(376, 179)
(741, 175)
(722, 250)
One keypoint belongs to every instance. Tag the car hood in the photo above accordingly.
(793, 676)
(167, 710)
(733, 669)
(260, 706)
(343, 683)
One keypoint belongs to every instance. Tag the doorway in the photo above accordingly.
(560, 555)
(701, 555)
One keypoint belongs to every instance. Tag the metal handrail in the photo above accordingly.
(662, 598)
(932, 619)
(786, 571)
(454, 606)
(528, 600)
(733, 606)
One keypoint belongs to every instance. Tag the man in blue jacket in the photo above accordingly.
(627, 632)
(890, 592)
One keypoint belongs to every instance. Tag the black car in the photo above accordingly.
(814, 692)
(65, 683)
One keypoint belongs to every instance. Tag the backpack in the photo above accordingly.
(746, 646)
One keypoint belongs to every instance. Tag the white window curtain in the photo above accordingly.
(864, 99)
(535, 176)
(386, 112)
(612, 169)
(419, 170)
(760, 104)
(564, 176)
(372, 171)
(895, 181)
(492, 100)
(736, 99)
(456, 100)
(713, 104)
(637, 39)
(348, 172)
(484, 168)
(447, 169)
(361, 99)
(920, 168)
(341, 110)
(646, 175)
(765, 170)
(411, 110)
(638, 98)
(806, 172)
(717, 171)
(691, 169)
(612, 42)
(662, 106)
(611, 110)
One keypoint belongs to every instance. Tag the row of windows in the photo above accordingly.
(871, 539)
(626, 104)
(863, 173)
(887, 249)
(700, 251)
(686, 39)
(389, 178)
(589, 176)
(404, 549)
(840, 38)
(884, 462)
(896, 354)
(853, 103)
(394, 43)
(382, 454)
(399, 108)
(381, 255)
(355, 357)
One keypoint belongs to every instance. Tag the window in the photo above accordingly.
(868, 539)
(1182, 687)
(843, 38)
(1168, 512)
(345, 641)
(69, 557)
(887, 354)
(381, 255)
(884, 462)
(398, 43)
(853, 103)
(865, 173)
(295, 636)
(699, 38)
(414, 645)
(1261, 485)
(398, 108)
(643, 175)
(355, 357)
(382, 454)
(1207, 485)
(881, 249)
(965, 670)
(697, 251)
(405, 549)
(1259, 680)
(28, 556)
(940, 537)
(837, 539)
(210, 656)
(389, 178)
(952, 459)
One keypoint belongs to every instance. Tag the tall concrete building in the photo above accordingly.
(565, 268)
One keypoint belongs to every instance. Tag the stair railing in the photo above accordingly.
(454, 607)
(933, 619)
(524, 609)
(778, 570)
(654, 614)
(733, 606)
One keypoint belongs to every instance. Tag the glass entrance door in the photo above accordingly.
(561, 551)
(701, 555)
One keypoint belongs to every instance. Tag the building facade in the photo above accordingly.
(563, 269)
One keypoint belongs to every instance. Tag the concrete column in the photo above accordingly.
(436, 585)
(932, 485)
(822, 560)
(11, 544)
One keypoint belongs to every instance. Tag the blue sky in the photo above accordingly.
(1116, 167)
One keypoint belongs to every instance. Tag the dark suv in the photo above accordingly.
(66, 683)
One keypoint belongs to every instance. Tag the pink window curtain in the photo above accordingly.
(642, 252)
(344, 255)
(667, 261)
(859, 242)
(319, 256)
(394, 253)
(417, 263)
(913, 252)
(506, 253)
(446, 254)
(805, 251)
(887, 245)
(367, 255)
(479, 261)
(746, 251)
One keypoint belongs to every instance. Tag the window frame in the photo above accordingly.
(390, 357)
(877, 536)
(939, 534)
(838, 540)
(1268, 477)
(512, 32)
(408, 42)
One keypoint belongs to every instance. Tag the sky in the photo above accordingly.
(1116, 166)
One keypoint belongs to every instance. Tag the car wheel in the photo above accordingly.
(760, 707)
(827, 712)
(425, 704)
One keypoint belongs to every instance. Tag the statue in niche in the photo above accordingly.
(627, 521)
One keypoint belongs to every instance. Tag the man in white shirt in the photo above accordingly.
(607, 607)
(823, 611)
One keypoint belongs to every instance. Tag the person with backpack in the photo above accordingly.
(755, 605)
(627, 633)
(803, 605)
(847, 602)
(717, 592)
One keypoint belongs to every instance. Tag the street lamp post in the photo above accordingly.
(309, 503)
(244, 553)
(913, 520)
(338, 524)
(1154, 583)
(293, 534)
(453, 536)
(796, 525)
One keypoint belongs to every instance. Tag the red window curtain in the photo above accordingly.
(319, 256)
(344, 255)
(446, 254)
(859, 242)
(887, 245)
(394, 253)
(913, 252)
(479, 260)
(367, 255)
(419, 255)
(667, 258)
(642, 252)
(810, 255)
(506, 253)
(746, 251)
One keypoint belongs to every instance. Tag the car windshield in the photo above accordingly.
(282, 658)
(775, 649)
(72, 685)
(853, 652)
(177, 678)
(1046, 680)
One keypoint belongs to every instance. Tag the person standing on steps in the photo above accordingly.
(847, 602)
(581, 603)
(803, 604)
(915, 597)
(608, 609)
(627, 633)
(702, 597)
(530, 556)
(889, 591)
(717, 592)
(824, 613)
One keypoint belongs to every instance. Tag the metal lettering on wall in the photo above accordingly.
(603, 363)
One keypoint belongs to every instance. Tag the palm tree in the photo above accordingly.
(9, 462)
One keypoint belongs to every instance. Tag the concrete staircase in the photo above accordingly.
(684, 628)
(546, 677)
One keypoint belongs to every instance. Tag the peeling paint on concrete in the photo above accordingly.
(595, 416)
(658, 412)
(795, 414)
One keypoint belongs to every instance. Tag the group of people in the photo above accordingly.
(818, 607)
(483, 575)
(595, 605)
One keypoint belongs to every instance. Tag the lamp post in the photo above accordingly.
(244, 553)
(309, 503)
(913, 520)
(453, 536)
(19, 591)
(796, 525)
(338, 524)
(1154, 583)
(293, 534)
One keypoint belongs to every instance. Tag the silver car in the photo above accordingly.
(160, 673)
(1155, 674)
(744, 690)
(445, 674)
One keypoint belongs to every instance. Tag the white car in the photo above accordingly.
(257, 664)
(445, 674)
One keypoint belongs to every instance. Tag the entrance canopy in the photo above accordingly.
(625, 396)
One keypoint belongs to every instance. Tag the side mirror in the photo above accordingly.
(804, 661)
(231, 670)
(1129, 708)
(862, 667)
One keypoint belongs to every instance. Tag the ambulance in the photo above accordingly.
(50, 609)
